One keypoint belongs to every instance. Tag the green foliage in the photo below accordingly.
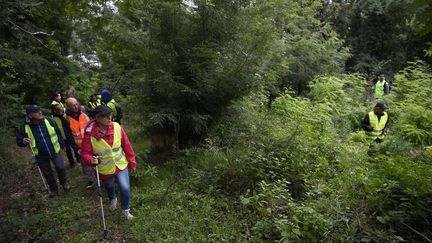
(194, 60)
(379, 32)
(303, 173)
(412, 101)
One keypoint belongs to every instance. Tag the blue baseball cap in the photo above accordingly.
(32, 108)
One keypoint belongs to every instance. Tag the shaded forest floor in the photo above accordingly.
(165, 209)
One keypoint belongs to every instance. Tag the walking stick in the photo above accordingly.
(101, 204)
(40, 172)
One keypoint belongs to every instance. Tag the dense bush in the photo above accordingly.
(302, 169)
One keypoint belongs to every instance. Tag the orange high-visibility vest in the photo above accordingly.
(77, 128)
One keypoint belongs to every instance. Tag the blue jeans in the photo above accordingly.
(122, 179)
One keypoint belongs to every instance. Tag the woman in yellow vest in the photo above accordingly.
(375, 123)
(56, 101)
(62, 122)
(46, 140)
(107, 146)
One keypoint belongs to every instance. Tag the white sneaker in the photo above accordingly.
(127, 214)
(113, 204)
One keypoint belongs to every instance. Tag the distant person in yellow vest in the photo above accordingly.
(112, 104)
(107, 146)
(62, 122)
(381, 87)
(56, 101)
(376, 122)
(46, 140)
(77, 122)
(94, 102)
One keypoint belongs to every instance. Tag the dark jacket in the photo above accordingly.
(42, 137)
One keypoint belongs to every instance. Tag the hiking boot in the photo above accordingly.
(89, 184)
(53, 194)
(127, 214)
(66, 186)
(113, 204)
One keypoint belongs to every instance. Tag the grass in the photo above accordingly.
(165, 209)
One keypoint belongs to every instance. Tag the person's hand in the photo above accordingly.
(26, 141)
(132, 170)
(79, 151)
(95, 160)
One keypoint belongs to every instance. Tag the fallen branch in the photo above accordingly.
(415, 231)
(43, 33)
(31, 34)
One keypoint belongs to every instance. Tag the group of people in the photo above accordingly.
(376, 122)
(93, 136)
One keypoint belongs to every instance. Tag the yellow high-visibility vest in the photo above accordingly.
(60, 125)
(110, 156)
(378, 126)
(52, 134)
(379, 89)
(93, 105)
(112, 104)
(54, 102)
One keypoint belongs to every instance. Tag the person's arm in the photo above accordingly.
(128, 150)
(87, 149)
(387, 125)
(366, 124)
(21, 136)
(386, 88)
(57, 130)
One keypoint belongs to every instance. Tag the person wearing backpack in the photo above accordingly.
(46, 140)
(112, 104)
(381, 87)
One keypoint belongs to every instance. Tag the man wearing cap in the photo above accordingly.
(77, 122)
(107, 146)
(381, 87)
(375, 123)
(46, 140)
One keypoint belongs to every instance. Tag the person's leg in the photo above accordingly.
(60, 168)
(87, 170)
(109, 187)
(122, 179)
(45, 167)
(69, 154)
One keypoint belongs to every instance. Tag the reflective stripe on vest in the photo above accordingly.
(110, 156)
(52, 133)
(379, 89)
(77, 128)
(378, 126)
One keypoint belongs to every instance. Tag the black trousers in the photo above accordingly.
(45, 167)
(69, 153)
